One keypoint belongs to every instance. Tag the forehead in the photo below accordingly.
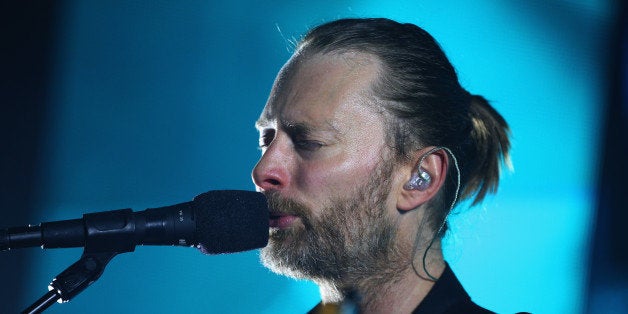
(323, 90)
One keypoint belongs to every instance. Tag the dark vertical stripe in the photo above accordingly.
(609, 252)
(26, 30)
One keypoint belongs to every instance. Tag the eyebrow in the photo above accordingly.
(301, 128)
(288, 126)
(297, 128)
(261, 123)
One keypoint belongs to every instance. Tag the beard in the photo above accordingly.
(352, 242)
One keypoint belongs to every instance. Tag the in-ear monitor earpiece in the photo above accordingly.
(420, 180)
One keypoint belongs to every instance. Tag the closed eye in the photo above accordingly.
(307, 145)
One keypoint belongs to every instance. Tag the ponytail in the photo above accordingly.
(487, 151)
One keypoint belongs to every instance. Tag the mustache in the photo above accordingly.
(281, 205)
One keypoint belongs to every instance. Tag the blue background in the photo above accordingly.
(153, 102)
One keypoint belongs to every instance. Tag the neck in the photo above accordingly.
(401, 293)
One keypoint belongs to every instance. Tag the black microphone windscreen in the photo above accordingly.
(230, 221)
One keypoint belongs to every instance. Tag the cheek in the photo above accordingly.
(339, 175)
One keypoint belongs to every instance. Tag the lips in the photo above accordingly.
(281, 220)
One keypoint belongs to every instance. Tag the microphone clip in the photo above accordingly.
(73, 280)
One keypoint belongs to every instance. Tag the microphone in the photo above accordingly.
(215, 222)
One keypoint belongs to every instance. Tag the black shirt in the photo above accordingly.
(447, 296)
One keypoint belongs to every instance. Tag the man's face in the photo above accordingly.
(324, 170)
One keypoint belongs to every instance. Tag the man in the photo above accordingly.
(368, 142)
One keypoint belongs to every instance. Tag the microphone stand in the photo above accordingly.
(73, 280)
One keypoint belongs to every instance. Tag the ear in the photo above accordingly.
(433, 160)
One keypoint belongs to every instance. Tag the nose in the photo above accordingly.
(272, 170)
